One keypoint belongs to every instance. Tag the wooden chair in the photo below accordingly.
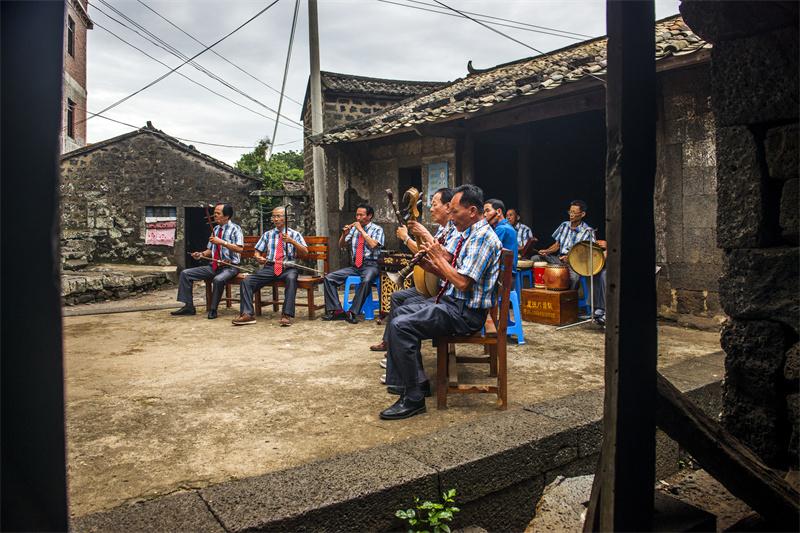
(247, 253)
(317, 251)
(493, 339)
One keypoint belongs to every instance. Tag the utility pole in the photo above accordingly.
(318, 155)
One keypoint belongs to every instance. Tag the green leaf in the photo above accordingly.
(401, 514)
(445, 528)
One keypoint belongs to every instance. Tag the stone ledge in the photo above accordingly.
(498, 464)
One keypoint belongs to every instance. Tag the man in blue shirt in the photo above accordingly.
(493, 212)
(365, 239)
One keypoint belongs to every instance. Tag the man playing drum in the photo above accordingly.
(566, 235)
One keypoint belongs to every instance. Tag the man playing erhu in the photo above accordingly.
(273, 250)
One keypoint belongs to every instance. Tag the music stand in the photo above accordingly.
(591, 287)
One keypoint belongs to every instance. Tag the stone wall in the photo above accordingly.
(686, 200)
(754, 95)
(104, 192)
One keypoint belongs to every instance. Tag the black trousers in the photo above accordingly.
(425, 320)
(190, 275)
(265, 276)
(368, 272)
(398, 299)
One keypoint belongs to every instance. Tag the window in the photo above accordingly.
(70, 36)
(160, 212)
(70, 119)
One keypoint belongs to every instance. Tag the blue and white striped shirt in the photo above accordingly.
(566, 236)
(370, 254)
(231, 233)
(479, 260)
(452, 235)
(524, 234)
(268, 244)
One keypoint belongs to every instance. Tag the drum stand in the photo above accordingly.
(591, 291)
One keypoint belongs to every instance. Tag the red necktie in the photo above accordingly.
(360, 250)
(452, 263)
(217, 248)
(279, 256)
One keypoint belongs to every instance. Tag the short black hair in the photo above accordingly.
(470, 195)
(579, 203)
(446, 194)
(368, 207)
(227, 209)
(496, 204)
(512, 208)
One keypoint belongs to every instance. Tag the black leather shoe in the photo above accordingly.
(351, 317)
(403, 408)
(333, 315)
(185, 310)
(425, 386)
(212, 314)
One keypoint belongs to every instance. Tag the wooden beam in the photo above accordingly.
(456, 131)
(727, 459)
(627, 470)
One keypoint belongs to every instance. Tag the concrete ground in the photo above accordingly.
(158, 404)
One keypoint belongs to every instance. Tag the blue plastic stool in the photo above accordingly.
(583, 301)
(515, 318)
(370, 305)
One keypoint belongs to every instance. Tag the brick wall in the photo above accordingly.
(104, 193)
(75, 77)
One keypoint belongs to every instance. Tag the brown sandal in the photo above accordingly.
(380, 347)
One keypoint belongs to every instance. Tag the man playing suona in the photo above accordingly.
(273, 250)
(365, 240)
(462, 304)
(224, 247)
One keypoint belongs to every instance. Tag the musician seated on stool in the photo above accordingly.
(460, 308)
(493, 213)
(447, 234)
(566, 235)
(275, 246)
(224, 247)
(524, 233)
(365, 240)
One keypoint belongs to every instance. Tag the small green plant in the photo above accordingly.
(430, 517)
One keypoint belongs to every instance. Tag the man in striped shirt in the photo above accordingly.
(524, 233)
(364, 239)
(272, 250)
(222, 252)
(460, 308)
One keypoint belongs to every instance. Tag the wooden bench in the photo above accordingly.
(249, 248)
(317, 251)
(493, 339)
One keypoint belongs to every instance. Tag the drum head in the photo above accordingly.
(524, 263)
(580, 260)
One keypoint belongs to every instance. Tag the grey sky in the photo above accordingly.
(364, 37)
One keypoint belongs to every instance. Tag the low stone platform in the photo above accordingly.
(101, 282)
(498, 464)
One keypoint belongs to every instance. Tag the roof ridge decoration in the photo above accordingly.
(485, 88)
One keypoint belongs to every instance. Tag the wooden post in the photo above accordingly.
(317, 153)
(624, 484)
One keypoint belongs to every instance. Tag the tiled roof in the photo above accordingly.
(348, 84)
(506, 82)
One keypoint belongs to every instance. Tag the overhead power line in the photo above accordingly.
(198, 54)
(285, 72)
(265, 84)
(161, 43)
(182, 74)
(516, 25)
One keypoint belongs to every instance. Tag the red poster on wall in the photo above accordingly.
(160, 233)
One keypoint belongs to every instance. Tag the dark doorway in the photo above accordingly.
(197, 232)
(409, 177)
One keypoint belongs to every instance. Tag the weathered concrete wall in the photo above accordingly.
(104, 193)
(363, 172)
(754, 81)
(498, 465)
(686, 200)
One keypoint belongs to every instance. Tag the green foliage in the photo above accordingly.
(430, 517)
(283, 166)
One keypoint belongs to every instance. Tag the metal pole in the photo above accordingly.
(318, 155)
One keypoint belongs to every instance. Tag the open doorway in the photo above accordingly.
(196, 232)
(409, 177)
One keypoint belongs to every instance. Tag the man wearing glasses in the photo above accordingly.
(273, 249)
(566, 235)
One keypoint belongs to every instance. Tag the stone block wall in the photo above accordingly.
(754, 96)
(686, 200)
(104, 193)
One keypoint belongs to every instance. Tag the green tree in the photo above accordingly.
(283, 166)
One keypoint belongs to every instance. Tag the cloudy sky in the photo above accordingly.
(365, 37)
